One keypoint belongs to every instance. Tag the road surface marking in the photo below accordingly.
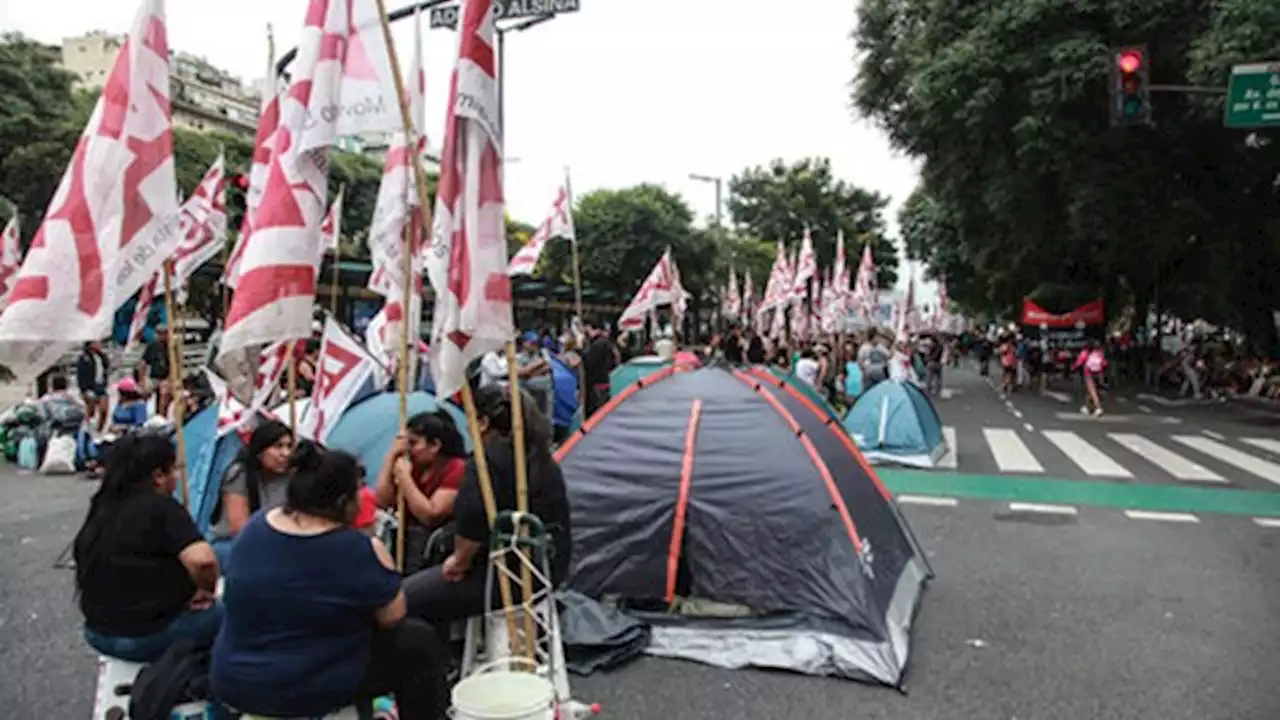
(1161, 516)
(949, 460)
(1016, 414)
(1267, 522)
(1119, 418)
(928, 500)
(1091, 460)
(1171, 462)
(1145, 409)
(1059, 396)
(1268, 444)
(1216, 435)
(1028, 427)
(1011, 454)
(1041, 508)
(1264, 469)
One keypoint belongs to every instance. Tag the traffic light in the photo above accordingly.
(1130, 87)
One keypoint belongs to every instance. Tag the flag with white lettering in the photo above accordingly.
(559, 223)
(202, 225)
(114, 217)
(277, 284)
(368, 101)
(10, 258)
(342, 370)
(467, 262)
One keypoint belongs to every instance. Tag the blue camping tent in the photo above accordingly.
(626, 374)
(207, 458)
(368, 428)
(895, 422)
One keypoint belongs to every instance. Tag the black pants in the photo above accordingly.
(597, 396)
(440, 602)
(408, 662)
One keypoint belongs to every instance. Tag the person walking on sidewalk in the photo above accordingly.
(1093, 363)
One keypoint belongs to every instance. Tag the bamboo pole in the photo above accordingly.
(337, 254)
(577, 306)
(402, 379)
(175, 379)
(522, 504)
(291, 387)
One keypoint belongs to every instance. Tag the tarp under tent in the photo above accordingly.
(746, 528)
(634, 369)
(368, 428)
(207, 458)
(896, 423)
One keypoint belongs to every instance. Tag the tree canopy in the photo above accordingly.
(779, 201)
(1027, 191)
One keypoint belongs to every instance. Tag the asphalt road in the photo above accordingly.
(1034, 615)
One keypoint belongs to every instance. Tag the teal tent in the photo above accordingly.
(896, 423)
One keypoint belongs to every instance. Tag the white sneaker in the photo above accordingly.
(1097, 413)
(1084, 409)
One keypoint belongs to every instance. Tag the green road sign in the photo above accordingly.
(1253, 96)
(447, 16)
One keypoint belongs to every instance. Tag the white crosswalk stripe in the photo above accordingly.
(1010, 452)
(1264, 469)
(951, 459)
(1176, 465)
(1269, 444)
(1091, 460)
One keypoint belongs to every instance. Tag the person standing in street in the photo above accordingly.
(1093, 363)
(154, 369)
(731, 346)
(92, 371)
(599, 359)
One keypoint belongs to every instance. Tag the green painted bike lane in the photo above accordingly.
(1130, 496)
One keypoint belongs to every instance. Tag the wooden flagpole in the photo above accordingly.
(291, 387)
(529, 648)
(468, 401)
(175, 379)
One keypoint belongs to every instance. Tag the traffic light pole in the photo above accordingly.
(1188, 89)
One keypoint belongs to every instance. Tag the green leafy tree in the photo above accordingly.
(779, 201)
(1026, 191)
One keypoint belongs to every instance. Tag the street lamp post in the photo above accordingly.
(719, 183)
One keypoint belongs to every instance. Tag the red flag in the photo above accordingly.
(559, 223)
(10, 258)
(202, 224)
(114, 217)
(141, 311)
(268, 121)
(468, 257)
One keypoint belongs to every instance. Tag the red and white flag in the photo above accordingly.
(268, 121)
(368, 102)
(906, 317)
(864, 287)
(732, 303)
(342, 370)
(331, 229)
(114, 217)
(202, 224)
(10, 258)
(277, 284)
(805, 268)
(142, 310)
(656, 290)
(467, 262)
(232, 414)
(777, 289)
(747, 312)
(559, 223)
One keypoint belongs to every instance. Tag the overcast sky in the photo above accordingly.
(621, 92)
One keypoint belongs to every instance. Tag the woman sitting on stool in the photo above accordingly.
(315, 619)
(455, 590)
(145, 576)
(257, 480)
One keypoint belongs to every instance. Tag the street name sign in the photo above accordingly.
(1253, 96)
(447, 16)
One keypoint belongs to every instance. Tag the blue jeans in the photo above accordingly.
(222, 550)
(199, 625)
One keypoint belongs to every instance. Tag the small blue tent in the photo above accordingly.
(207, 458)
(626, 374)
(368, 428)
(895, 423)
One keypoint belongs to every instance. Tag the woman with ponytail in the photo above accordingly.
(144, 575)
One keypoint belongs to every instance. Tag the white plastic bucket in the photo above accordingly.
(503, 695)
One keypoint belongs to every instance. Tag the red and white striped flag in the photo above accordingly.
(10, 258)
(114, 217)
(732, 303)
(277, 284)
(559, 223)
(202, 224)
(656, 290)
(747, 311)
(805, 268)
(142, 310)
(268, 121)
(864, 288)
(342, 369)
(331, 229)
(777, 288)
(467, 262)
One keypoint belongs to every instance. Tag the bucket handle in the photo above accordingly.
(495, 664)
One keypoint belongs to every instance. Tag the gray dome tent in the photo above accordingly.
(736, 516)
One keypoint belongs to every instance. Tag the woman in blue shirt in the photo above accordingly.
(314, 616)
(131, 408)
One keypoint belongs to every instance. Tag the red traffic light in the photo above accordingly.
(240, 181)
(1129, 60)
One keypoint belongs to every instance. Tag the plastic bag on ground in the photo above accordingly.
(596, 637)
